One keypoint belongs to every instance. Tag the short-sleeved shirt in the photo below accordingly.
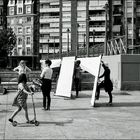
(47, 73)
(22, 69)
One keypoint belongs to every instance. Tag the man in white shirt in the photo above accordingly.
(46, 77)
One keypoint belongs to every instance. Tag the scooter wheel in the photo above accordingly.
(14, 123)
(36, 123)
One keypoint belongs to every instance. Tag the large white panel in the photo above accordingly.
(64, 84)
(92, 65)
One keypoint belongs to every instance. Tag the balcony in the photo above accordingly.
(43, 1)
(64, 9)
(47, 10)
(117, 2)
(49, 19)
(81, 8)
(96, 8)
(48, 30)
(66, 19)
(81, 19)
(51, 40)
(97, 28)
(100, 17)
(100, 39)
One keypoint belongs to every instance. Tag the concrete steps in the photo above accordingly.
(9, 80)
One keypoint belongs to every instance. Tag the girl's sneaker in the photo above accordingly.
(10, 120)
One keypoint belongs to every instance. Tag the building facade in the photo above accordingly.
(124, 21)
(64, 23)
(46, 27)
(22, 18)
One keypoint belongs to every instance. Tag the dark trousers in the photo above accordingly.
(102, 85)
(77, 85)
(46, 89)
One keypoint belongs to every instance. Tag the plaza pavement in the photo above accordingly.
(75, 118)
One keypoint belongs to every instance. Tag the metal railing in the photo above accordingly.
(116, 46)
(81, 52)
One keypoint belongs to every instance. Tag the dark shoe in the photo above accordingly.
(10, 120)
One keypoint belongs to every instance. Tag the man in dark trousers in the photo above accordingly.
(77, 77)
(46, 77)
(106, 83)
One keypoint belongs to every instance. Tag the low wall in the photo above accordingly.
(130, 72)
(125, 71)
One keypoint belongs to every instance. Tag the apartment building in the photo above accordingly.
(21, 17)
(50, 26)
(124, 20)
(66, 25)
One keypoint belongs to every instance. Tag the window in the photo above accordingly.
(20, 1)
(20, 11)
(1, 20)
(19, 51)
(28, 30)
(20, 20)
(28, 9)
(28, 51)
(19, 41)
(11, 11)
(1, 11)
(28, 19)
(12, 21)
(28, 1)
(11, 2)
(19, 30)
(28, 41)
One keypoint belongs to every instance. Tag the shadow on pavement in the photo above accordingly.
(61, 123)
(121, 104)
(72, 109)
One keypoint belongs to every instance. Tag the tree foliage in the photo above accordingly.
(7, 41)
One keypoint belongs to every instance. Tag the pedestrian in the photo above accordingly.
(22, 68)
(21, 98)
(77, 77)
(106, 83)
(46, 77)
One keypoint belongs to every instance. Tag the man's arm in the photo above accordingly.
(102, 75)
(42, 74)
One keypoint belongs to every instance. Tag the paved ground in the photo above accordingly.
(75, 119)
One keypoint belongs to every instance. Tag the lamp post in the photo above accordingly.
(54, 49)
(93, 37)
(84, 45)
(105, 43)
(48, 48)
(77, 47)
(68, 30)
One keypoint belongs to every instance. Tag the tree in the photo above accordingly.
(7, 41)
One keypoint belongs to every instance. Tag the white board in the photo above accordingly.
(64, 83)
(92, 65)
